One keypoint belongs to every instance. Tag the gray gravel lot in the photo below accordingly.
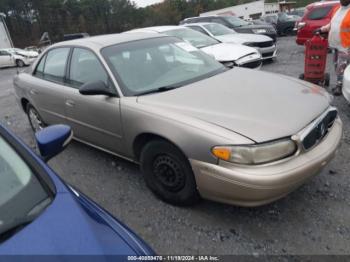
(314, 219)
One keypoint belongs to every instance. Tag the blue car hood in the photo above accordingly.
(74, 226)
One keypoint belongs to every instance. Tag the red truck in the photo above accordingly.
(316, 15)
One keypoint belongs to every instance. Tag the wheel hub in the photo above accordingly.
(169, 173)
(35, 120)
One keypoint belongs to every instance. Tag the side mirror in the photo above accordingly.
(53, 140)
(95, 88)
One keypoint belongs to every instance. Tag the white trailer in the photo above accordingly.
(247, 11)
(5, 38)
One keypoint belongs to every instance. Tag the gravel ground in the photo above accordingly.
(315, 219)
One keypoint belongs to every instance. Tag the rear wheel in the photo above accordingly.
(327, 79)
(168, 173)
(301, 76)
(19, 63)
(288, 31)
(34, 118)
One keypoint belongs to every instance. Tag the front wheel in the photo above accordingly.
(34, 118)
(327, 79)
(168, 173)
(20, 63)
(288, 31)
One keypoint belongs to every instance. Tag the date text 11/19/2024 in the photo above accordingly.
(173, 258)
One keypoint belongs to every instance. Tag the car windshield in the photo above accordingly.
(285, 17)
(156, 64)
(22, 197)
(235, 21)
(195, 38)
(217, 29)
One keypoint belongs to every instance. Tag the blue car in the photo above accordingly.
(41, 215)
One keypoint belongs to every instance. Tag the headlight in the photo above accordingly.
(259, 31)
(256, 154)
(248, 58)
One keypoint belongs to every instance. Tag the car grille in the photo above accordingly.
(264, 44)
(253, 64)
(269, 54)
(271, 30)
(319, 129)
(244, 30)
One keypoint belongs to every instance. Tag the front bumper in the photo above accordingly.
(255, 64)
(259, 185)
(268, 52)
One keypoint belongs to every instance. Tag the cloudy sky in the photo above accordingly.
(143, 3)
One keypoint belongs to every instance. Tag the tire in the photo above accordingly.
(168, 173)
(301, 76)
(34, 118)
(271, 60)
(327, 79)
(20, 63)
(288, 31)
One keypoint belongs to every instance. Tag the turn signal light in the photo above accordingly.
(223, 153)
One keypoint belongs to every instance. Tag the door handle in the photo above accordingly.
(70, 103)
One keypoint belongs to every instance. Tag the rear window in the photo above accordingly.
(196, 20)
(319, 13)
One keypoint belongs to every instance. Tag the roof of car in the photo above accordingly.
(203, 23)
(200, 17)
(97, 42)
(158, 29)
(322, 3)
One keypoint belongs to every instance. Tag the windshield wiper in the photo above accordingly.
(159, 90)
(14, 227)
(8, 230)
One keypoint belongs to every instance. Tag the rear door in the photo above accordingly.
(6, 59)
(95, 119)
(46, 87)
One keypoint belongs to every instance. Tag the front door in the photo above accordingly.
(95, 119)
(6, 59)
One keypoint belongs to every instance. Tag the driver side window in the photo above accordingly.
(85, 67)
(4, 53)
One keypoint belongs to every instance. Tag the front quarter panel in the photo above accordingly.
(192, 136)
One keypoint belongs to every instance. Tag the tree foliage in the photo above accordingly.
(28, 19)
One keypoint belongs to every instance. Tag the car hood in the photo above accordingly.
(252, 26)
(73, 226)
(224, 52)
(243, 38)
(259, 105)
(26, 53)
(32, 53)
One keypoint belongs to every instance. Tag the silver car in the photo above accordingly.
(229, 54)
(264, 44)
(197, 128)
